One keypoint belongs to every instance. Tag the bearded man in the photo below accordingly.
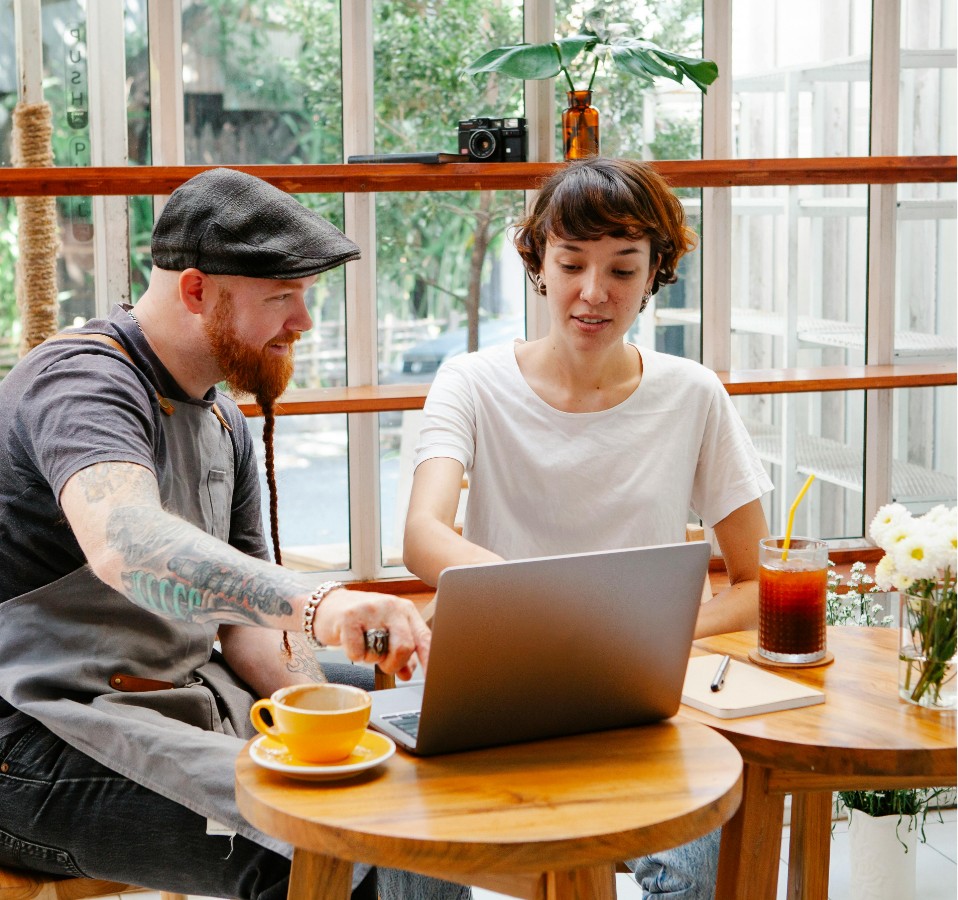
(131, 529)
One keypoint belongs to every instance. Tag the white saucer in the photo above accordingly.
(373, 749)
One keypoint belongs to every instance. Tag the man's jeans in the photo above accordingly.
(64, 814)
(683, 873)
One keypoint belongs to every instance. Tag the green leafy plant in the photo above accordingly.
(901, 802)
(603, 44)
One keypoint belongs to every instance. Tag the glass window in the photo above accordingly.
(312, 482)
(821, 434)
(262, 83)
(924, 452)
(448, 280)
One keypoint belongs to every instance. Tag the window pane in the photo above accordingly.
(419, 51)
(448, 279)
(262, 82)
(463, 289)
(797, 435)
(924, 453)
(312, 482)
(925, 322)
(672, 322)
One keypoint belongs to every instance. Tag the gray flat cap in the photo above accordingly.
(225, 222)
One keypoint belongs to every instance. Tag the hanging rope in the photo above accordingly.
(38, 238)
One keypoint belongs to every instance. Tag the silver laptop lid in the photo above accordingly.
(559, 645)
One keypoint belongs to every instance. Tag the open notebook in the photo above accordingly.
(748, 690)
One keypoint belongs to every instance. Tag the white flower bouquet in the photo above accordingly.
(920, 561)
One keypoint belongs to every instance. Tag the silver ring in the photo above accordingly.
(377, 641)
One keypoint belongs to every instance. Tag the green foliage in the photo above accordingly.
(423, 240)
(602, 43)
(900, 802)
(8, 264)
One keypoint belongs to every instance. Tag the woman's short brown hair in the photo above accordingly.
(591, 198)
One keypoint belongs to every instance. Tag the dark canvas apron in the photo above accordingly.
(63, 646)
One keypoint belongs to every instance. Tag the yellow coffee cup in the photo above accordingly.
(318, 723)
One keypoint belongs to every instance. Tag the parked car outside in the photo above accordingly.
(421, 361)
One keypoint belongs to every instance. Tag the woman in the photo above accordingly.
(581, 441)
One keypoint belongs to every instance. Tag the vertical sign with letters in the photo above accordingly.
(78, 123)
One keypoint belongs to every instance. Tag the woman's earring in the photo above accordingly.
(540, 284)
(646, 297)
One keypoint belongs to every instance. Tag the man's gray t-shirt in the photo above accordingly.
(70, 404)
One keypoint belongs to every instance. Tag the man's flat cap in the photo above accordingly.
(225, 222)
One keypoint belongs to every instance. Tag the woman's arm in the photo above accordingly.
(736, 608)
(430, 541)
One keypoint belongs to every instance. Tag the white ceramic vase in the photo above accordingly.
(882, 851)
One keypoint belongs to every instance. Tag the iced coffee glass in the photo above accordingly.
(791, 600)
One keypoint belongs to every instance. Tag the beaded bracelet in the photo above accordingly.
(311, 608)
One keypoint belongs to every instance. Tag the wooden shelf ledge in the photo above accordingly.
(839, 378)
(66, 181)
(389, 397)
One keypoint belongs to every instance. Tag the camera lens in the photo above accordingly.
(482, 144)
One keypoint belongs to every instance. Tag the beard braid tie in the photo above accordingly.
(269, 426)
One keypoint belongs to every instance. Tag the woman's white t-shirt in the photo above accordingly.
(544, 482)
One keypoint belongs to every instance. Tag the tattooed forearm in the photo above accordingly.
(147, 536)
(226, 584)
(170, 567)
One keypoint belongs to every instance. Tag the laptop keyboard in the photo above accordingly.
(407, 722)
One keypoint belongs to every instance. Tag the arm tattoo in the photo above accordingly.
(174, 570)
(106, 479)
(303, 661)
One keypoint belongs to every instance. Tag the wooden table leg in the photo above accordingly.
(315, 876)
(594, 883)
(752, 842)
(809, 846)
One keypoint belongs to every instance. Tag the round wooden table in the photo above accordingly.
(544, 819)
(862, 737)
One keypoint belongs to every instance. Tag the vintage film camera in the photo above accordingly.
(493, 140)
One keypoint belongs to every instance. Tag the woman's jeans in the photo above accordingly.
(687, 872)
(63, 813)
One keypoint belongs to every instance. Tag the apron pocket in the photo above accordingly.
(220, 488)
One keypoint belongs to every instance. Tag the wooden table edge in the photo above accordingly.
(518, 857)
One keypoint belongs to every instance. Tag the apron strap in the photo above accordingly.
(165, 404)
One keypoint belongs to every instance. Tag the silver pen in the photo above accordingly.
(719, 679)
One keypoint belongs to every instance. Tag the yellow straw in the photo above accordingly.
(791, 515)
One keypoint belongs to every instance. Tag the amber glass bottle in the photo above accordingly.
(580, 126)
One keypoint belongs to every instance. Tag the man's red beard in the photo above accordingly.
(262, 373)
(248, 370)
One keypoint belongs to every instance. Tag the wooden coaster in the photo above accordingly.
(760, 660)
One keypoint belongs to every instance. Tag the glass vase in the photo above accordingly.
(580, 126)
(926, 649)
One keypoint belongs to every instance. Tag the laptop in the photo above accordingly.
(548, 647)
